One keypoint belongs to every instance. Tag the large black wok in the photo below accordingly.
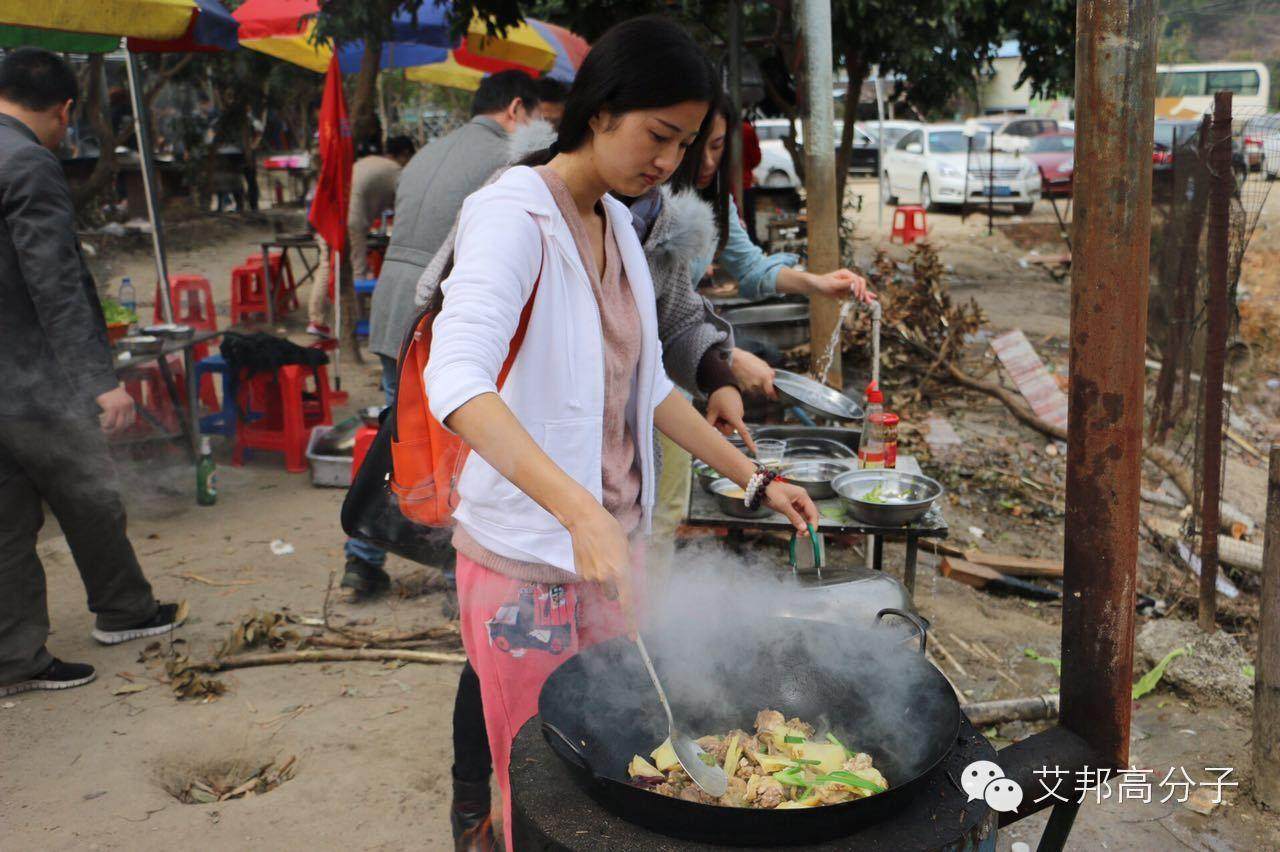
(599, 708)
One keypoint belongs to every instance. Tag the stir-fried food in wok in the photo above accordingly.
(782, 765)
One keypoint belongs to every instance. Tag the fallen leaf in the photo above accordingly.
(129, 689)
(184, 609)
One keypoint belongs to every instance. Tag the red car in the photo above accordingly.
(1054, 153)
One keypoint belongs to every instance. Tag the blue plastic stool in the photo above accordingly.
(220, 422)
(364, 287)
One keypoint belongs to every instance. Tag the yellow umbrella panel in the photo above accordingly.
(150, 19)
(449, 74)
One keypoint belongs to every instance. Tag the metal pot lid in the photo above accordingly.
(815, 396)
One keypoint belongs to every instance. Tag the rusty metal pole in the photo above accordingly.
(1266, 687)
(820, 175)
(1221, 184)
(1115, 102)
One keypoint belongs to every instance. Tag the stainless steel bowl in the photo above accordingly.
(911, 495)
(815, 475)
(819, 399)
(786, 326)
(817, 448)
(705, 476)
(733, 505)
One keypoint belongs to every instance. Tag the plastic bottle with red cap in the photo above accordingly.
(871, 447)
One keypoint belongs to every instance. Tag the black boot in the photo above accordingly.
(469, 817)
(364, 579)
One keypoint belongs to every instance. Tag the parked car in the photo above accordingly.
(1014, 132)
(777, 169)
(939, 164)
(1171, 134)
(1263, 133)
(1054, 155)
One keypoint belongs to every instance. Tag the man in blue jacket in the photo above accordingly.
(59, 395)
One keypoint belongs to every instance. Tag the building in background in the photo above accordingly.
(999, 92)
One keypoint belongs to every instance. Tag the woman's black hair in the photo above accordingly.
(717, 192)
(643, 63)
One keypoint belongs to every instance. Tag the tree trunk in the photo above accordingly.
(104, 171)
(857, 68)
(364, 101)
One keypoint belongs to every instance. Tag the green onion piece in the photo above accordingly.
(832, 739)
(709, 760)
(842, 776)
(802, 762)
(791, 739)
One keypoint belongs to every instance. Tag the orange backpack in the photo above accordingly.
(426, 458)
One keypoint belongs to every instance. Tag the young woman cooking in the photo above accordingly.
(555, 498)
(759, 275)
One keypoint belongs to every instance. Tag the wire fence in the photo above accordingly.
(1179, 314)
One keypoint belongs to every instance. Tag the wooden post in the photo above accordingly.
(1221, 184)
(1266, 686)
(735, 101)
(820, 175)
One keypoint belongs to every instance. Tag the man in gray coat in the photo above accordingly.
(58, 395)
(430, 194)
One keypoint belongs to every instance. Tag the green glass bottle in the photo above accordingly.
(206, 475)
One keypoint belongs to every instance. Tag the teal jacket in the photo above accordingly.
(755, 271)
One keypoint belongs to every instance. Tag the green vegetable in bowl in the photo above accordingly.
(114, 312)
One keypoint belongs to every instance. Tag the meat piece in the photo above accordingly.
(714, 746)
(803, 727)
(664, 790)
(833, 794)
(770, 793)
(767, 720)
(861, 760)
(734, 796)
(693, 793)
(746, 769)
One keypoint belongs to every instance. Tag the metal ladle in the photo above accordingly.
(710, 778)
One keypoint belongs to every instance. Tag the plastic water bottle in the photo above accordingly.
(871, 447)
(206, 475)
(128, 298)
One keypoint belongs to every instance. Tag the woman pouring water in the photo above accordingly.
(556, 497)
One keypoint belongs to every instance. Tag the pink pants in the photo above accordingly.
(516, 633)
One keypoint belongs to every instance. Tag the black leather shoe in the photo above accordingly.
(469, 816)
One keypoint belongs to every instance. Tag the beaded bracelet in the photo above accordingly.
(761, 480)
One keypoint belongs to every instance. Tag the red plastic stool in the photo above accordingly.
(364, 440)
(192, 300)
(282, 276)
(146, 385)
(248, 292)
(909, 224)
(291, 410)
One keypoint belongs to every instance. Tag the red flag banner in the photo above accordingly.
(333, 189)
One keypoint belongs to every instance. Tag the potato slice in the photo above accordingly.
(664, 756)
(770, 762)
(641, 768)
(830, 755)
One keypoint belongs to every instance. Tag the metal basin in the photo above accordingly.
(729, 499)
(784, 326)
(908, 495)
(705, 475)
(799, 449)
(816, 397)
(815, 475)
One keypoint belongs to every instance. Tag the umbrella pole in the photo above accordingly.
(143, 135)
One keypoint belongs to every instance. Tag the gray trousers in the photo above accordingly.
(64, 463)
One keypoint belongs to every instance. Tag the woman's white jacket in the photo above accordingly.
(510, 234)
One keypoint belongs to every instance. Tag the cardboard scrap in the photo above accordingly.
(939, 433)
(1033, 381)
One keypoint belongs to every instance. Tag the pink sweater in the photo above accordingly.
(620, 321)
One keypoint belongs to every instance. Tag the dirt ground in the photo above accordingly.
(86, 769)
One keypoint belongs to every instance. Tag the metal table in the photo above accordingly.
(284, 242)
(189, 415)
(705, 512)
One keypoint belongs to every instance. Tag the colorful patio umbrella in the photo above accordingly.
(283, 28)
(209, 27)
(154, 19)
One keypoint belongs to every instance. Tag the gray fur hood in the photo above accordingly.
(684, 231)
